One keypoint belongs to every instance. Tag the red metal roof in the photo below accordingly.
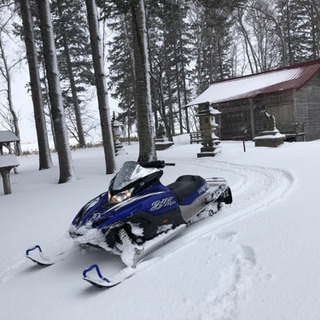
(250, 86)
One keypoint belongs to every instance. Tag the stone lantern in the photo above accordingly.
(116, 128)
(208, 125)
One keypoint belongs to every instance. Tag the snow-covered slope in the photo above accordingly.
(257, 259)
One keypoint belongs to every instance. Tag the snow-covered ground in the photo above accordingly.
(257, 259)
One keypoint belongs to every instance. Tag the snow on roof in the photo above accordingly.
(8, 136)
(293, 77)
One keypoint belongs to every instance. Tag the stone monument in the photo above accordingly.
(270, 135)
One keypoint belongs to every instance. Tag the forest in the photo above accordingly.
(153, 57)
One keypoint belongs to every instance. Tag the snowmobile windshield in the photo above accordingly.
(130, 172)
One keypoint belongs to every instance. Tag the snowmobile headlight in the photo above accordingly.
(120, 196)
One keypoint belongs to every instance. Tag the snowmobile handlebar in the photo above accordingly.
(156, 164)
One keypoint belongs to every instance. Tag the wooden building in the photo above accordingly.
(291, 94)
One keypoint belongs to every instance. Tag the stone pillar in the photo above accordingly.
(208, 125)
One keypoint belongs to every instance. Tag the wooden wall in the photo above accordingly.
(307, 107)
(289, 108)
(234, 120)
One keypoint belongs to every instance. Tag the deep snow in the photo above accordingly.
(257, 259)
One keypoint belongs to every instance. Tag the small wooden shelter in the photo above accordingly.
(291, 94)
(8, 159)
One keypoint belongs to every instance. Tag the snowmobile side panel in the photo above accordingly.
(150, 225)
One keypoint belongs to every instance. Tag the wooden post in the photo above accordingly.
(253, 129)
(7, 162)
(5, 172)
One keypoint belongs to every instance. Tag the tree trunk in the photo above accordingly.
(178, 90)
(169, 86)
(75, 102)
(105, 120)
(45, 161)
(147, 150)
(60, 127)
(184, 86)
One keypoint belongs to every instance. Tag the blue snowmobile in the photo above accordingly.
(138, 214)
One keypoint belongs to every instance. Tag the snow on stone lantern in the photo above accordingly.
(116, 128)
(208, 125)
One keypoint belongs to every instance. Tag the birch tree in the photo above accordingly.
(60, 127)
(104, 111)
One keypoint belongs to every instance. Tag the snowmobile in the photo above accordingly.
(138, 214)
(138, 208)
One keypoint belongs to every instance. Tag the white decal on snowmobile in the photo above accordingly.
(166, 202)
(203, 189)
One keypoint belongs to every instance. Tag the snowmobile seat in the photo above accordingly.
(184, 186)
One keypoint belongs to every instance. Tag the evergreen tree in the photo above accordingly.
(299, 31)
(169, 52)
(75, 65)
(212, 33)
(45, 161)
(121, 70)
(58, 115)
(104, 111)
(145, 125)
(139, 84)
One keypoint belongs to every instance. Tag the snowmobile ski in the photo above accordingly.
(97, 279)
(94, 276)
(55, 254)
(36, 255)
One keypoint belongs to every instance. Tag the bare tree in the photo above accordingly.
(104, 112)
(6, 69)
(249, 47)
(60, 127)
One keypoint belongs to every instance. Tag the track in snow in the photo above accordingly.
(255, 188)
(229, 266)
